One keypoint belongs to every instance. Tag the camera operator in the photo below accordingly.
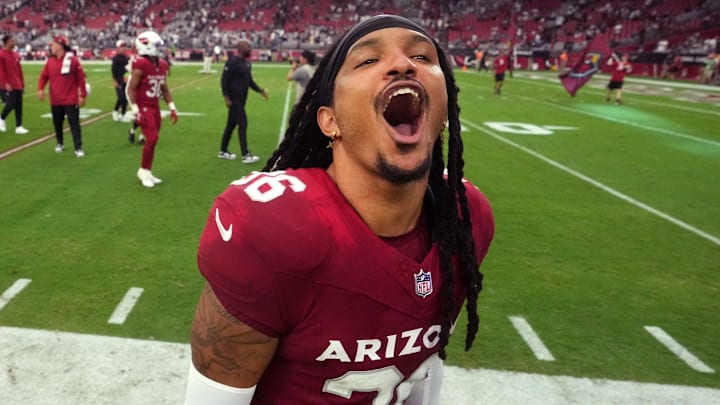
(301, 72)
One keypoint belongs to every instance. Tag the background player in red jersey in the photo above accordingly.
(147, 84)
(12, 83)
(67, 91)
(617, 78)
(335, 276)
(500, 63)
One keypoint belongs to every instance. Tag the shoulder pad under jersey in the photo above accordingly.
(277, 215)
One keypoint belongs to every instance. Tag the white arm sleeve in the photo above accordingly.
(427, 391)
(204, 391)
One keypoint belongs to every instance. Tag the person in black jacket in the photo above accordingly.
(118, 69)
(235, 82)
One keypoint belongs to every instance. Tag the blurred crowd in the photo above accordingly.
(312, 24)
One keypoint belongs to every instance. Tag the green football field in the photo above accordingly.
(604, 265)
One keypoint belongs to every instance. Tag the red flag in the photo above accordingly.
(592, 60)
(512, 30)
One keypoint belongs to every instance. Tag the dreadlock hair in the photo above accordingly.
(304, 145)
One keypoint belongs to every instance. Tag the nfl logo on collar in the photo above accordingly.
(423, 283)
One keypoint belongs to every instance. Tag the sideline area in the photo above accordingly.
(43, 367)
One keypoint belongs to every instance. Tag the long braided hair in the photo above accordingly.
(304, 145)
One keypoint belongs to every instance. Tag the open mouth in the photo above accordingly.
(403, 108)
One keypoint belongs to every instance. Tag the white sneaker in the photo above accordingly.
(250, 158)
(79, 153)
(145, 177)
(116, 116)
(59, 148)
(21, 130)
(154, 179)
(3, 127)
(226, 155)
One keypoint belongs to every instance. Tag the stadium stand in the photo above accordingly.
(687, 27)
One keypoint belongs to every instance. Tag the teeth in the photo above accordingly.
(402, 91)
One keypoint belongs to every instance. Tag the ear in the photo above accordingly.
(326, 121)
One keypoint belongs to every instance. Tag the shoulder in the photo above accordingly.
(273, 217)
(164, 66)
(482, 218)
(141, 63)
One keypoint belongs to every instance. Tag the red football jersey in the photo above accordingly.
(358, 321)
(149, 90)
(619, 70)
(501, 64)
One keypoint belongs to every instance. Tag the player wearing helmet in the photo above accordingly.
(147, 84)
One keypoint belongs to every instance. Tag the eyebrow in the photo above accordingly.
(417, 37)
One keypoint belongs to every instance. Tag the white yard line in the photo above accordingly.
(286, 113)
(601, 186)
(13, 290)
(51, 135)
(49, 368)
(125, 306)
(533, 341)
(678, 349)
(554, 83)
(625, 122)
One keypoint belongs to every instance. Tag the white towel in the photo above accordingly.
(65, 69)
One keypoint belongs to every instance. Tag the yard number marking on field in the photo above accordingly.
(531, 338)
(678, 349)
(601, 186)
(125, 306)
(14, 290)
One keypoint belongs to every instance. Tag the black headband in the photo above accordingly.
(337, 58)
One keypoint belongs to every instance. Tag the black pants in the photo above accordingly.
(13, 101)
(236, 117)
(121, 103)
(73, 115)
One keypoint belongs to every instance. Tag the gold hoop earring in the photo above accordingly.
(333, 137)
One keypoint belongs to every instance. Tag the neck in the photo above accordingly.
(388, 209)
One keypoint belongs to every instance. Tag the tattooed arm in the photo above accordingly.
(225, 349)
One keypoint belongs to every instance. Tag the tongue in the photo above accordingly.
(404, 129)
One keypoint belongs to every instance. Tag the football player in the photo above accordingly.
(335, 276)
(147, 84)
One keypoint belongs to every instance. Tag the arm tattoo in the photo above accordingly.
(222, 344)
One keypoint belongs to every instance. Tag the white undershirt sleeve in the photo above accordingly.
(427, 391)
(204, 391)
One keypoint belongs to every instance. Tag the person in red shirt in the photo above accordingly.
(148, 82)
(617, 78)
(501, 65)
(12, 83)
(336, 275)
(67, 91)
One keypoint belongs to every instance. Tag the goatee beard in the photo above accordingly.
(398, 176)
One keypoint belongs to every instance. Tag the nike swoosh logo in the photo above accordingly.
(225, 234)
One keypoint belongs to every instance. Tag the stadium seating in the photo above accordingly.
(548, 24)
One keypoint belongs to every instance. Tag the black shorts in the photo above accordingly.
(499, 77)
(614, 85)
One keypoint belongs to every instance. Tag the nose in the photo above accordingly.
(401, 64)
